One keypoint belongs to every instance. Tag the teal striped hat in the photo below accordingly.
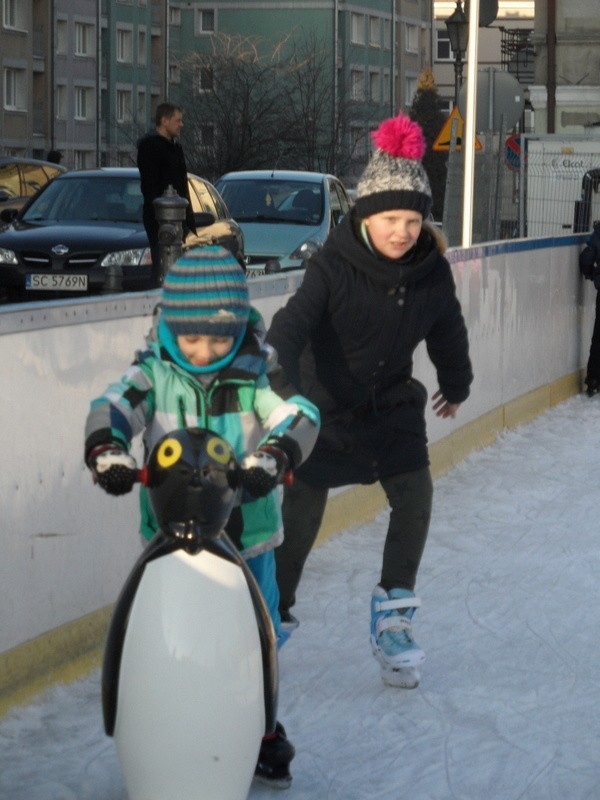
(205, 293)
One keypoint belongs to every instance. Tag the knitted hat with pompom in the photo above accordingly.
(205, 293)
(394, 178)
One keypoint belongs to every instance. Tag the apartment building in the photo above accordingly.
(80, 76)
(85, 76)
(505, 44)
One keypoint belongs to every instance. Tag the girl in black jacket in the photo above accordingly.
(346, 339)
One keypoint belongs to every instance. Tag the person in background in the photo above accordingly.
(206, 367)
(346, 340)
(55, 156)
(589, 265)
(161, 162)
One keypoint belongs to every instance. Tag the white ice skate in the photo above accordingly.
(391, 637)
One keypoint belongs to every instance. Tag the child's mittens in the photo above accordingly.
(114, 469)
(262, 470)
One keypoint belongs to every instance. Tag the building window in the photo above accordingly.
(357, 28)
(375, 31)
(174, 16)
(203, 80)
(142, 57)
(60, 102)
(174, 73)
(443, 51)
(412, 39)
(387, 87)
(358, 142)
(375, 87)
(83, 159)
(14, 89)
(205, 21)
(357, 84)
(207, 136)
(84, 106)
(410, 85)
(124, 46)
(445, 105)
(387, 34)
(13, 14)
(141, 106)
(123, 111)
(61, 37)
(84, 39)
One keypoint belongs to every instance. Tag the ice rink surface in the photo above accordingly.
(509, 702)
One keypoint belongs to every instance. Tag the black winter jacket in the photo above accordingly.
(346, 340)
(161, 162)
(589, 258)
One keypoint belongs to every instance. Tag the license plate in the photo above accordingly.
(48, 282)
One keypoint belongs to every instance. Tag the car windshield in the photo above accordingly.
(19, 179)
(285, 201)
(86, 199)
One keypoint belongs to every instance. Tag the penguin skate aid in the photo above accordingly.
(205, 368)
(167, 700)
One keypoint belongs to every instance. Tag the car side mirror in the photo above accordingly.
(8, 214)
(202, 219)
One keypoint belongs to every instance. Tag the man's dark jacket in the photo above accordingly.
(161, 162)
(346, 340)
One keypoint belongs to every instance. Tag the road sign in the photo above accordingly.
(512, 152)
(442, 141)
(499, 98)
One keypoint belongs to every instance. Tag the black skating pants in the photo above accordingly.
(593, 365)
(409, 496)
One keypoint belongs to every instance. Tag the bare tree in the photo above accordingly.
(254, 105)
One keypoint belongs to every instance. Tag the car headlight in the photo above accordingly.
(7, 256)
(128, 258)
(306, 250)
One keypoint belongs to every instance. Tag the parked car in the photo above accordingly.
(66, 237)
(286, 216)
(21, 178)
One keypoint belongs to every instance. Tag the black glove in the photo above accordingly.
(262, 470)
(114, 469)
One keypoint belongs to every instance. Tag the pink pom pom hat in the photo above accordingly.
(395, 178)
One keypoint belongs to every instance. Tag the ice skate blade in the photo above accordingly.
(280, 782)
(401, 677)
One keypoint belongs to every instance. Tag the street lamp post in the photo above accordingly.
(458, 33)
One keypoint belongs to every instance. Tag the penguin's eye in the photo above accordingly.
(218, 450)
(169, 453)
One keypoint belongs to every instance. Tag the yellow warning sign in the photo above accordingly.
(442, 141)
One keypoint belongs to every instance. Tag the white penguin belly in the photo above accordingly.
(190, 711)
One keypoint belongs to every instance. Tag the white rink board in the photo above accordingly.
(67, 547)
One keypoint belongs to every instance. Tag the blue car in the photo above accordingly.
(286, 216)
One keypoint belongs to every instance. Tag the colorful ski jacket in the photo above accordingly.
(247, 403)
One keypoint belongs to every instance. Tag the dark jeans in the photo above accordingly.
(593, 365)
(409, 495)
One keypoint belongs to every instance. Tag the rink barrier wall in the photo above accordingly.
(67, 547)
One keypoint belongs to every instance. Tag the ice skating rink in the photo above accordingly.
(509, 703)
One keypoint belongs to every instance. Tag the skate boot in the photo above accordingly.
(288, 622)
(276, 752)
(391, 637)
(592, 387)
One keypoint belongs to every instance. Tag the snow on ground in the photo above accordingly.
(509, 703)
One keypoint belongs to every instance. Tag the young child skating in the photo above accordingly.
(205, 366)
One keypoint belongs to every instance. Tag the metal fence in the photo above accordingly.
(527, 186)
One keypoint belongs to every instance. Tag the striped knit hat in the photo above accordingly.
(205, 293)
(395, 178)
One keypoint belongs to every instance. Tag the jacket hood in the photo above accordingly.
(345, 242)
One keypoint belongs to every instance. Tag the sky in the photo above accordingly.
(508, 707)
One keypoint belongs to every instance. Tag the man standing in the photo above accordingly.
(161, 163)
